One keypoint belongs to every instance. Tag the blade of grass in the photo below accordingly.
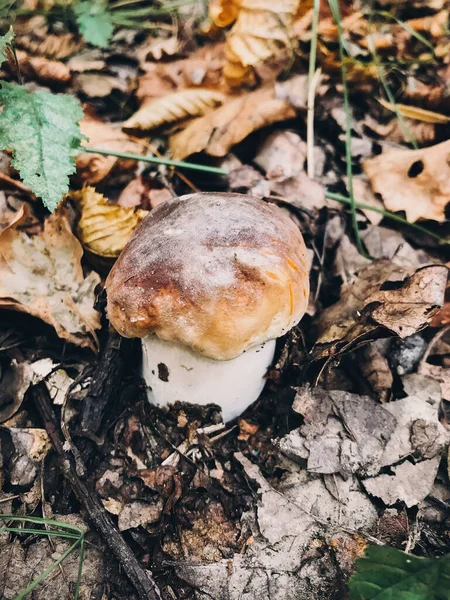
(42, 521)
(158, 161)
(312, 82)
(407, 28)
(387, 215)
(336, 12)
(72, 532)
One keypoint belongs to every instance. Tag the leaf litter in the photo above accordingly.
(348, 444)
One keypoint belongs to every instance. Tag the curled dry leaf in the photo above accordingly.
(57, 47)
(104, 228)
(364, 306)
(201, 69)
(42, 275)
(43, 69)
(261, 29)
(92, 168)
(218, 131)
(415, 181)
(14, 382)
(173, 108)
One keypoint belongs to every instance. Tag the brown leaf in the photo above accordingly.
(43, 69)
(42, 275)
(201, 69)
(364, 306)
(218, 131)
(15, 381)
(261, 29)
(100, 85)
(174, 107)
(92, 168)
(415, 112)
(34, 37)
(415, 181)
(104, 228)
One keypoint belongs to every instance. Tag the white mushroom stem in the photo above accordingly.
(175, 373)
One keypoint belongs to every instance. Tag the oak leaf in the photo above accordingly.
(414, 181)
(42, 275)
(218, 131)
(173, 108)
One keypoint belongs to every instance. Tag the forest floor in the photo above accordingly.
(343, 121)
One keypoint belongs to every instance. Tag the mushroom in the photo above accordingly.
(209, 281)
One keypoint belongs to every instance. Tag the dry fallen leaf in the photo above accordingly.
(43, 69)
(261, 29)
(364, 306)
(104, 228)
(415, 181)
(173, 108)
(218, 131)
(201, 69)
(92, 168)
(33, 36)
(415, 112)
(15, 381)
(42, 275)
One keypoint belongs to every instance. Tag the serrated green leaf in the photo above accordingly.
(94, 22)
(42, 130)
(389, 574)
(5, 41)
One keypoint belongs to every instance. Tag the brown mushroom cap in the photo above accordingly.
(218, 273)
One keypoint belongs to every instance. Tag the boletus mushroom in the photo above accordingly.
(209, 281)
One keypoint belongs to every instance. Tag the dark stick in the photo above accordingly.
(142, 580)
(105, 382)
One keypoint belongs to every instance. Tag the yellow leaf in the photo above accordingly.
(414, 112)
(261, 29)
(103, 228)
(224, 12)
(174, 107)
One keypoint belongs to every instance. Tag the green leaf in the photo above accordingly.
(5, 42)
(42, 130)
(94, 22)
(388, 574)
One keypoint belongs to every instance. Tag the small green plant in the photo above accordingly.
(47, 528)
(389, 574)
(94, 22)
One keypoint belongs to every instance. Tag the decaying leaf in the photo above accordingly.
(14, 382)
(411, 483)
(34, 36)
(173, 108)
(92, 168)
(364, 306)
(44, 69)
(218, 131)
(104, 228)
(414, 181)
(31, 445)
(261, 29)
(41, 275)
